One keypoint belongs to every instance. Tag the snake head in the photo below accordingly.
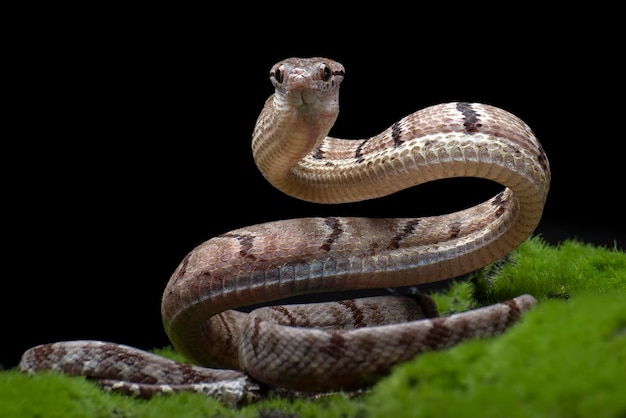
(307, 82)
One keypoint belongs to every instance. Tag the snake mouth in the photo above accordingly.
(304, 97)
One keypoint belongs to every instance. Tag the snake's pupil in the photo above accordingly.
(278, 75)
(326, 73)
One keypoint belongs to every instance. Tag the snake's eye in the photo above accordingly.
(325, 72)
(278, 75)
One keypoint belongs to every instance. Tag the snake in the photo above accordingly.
(343, 344)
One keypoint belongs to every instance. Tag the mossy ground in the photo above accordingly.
(566, 358)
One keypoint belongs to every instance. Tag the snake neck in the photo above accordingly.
(296, 118)
(286, 133)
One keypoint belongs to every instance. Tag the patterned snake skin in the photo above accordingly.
(341, 344)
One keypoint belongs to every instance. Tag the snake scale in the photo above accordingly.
(339, 344)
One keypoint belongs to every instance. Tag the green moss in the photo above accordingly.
(567, 357)
(456, 298)
(54, 395)
(563, 359)
(551, 272)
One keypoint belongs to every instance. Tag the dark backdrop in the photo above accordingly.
(132, 146)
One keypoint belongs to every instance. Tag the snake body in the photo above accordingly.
(340, 344)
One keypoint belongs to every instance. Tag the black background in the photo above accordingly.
(132, 142)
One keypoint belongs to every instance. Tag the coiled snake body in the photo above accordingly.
(344, 344)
